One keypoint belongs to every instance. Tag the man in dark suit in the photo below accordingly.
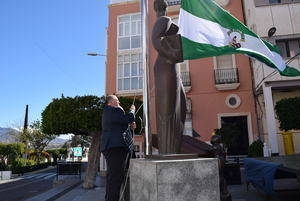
(113, 147)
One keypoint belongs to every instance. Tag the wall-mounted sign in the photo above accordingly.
(77, 151)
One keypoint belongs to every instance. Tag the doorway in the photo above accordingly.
(240, 125)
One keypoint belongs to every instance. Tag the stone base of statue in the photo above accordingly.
(174, 180)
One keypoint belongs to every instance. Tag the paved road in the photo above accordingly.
(27, 186)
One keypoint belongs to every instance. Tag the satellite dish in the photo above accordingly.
(271, 31)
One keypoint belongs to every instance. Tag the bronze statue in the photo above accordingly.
(170, 95)
(220, 153)
(169, 91)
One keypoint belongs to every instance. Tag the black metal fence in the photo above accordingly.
(226, 76)
(68, 168)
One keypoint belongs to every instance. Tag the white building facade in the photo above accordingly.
(270, 87)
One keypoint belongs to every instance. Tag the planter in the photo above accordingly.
(5, 175)
(288, 142)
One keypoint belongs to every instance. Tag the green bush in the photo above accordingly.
(256, 149)
(11, 151)
(21, 162)
(288, 113)
(3, 167)
(21, 165)
(229, 134)
(30, 162)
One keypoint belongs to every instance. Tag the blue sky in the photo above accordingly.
(42, 53)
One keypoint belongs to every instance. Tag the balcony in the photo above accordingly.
(186, 80)
(173, 2)
(227, 79)
(173, 5)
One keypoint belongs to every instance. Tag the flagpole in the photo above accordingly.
(146, 86)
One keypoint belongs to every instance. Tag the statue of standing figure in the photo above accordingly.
(219, 152)
(169, 91)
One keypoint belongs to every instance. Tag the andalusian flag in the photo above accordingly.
(208, 30)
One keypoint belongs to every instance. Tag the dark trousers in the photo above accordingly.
(115, 160)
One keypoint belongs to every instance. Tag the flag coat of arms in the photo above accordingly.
(208, 30)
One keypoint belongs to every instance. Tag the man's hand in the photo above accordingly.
(132, 108)
(133, 125)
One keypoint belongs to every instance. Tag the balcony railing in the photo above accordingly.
(173, 2)
(226, 76)
(186, 80)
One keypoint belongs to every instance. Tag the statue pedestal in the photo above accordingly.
(174, 180)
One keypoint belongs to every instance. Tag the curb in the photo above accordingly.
(60, 194)
(13, 176)
(41, 170)
(56, 192)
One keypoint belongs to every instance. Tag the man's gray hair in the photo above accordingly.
(109, 98)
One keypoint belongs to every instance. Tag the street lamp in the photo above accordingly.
(96, 54)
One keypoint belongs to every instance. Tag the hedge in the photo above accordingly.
(288, 113)
(29, 168)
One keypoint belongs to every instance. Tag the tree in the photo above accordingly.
(80, 115)
(57, 153)
(82, 140)
(37, 139)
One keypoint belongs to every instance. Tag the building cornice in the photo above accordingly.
(124, 3)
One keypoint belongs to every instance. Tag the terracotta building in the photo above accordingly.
(219, 89)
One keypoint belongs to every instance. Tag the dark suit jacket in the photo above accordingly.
(114, 123)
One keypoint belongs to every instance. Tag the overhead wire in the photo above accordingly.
(56, 64)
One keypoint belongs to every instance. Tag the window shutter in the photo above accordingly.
(282, 47)
(224, 61)
(261, 2)
(294, 47)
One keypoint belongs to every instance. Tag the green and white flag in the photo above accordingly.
(208, 30)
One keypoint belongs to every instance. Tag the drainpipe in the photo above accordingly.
(260, 136)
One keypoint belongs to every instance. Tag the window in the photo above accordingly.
(224, 61)
(129, 32)
(274, 1)
(225, 70)
(188, 125)
(288, 47)
(136, 148)
(270, 2)
(130, 72)
(233, 101)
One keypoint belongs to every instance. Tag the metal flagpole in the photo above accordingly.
(146, 64)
